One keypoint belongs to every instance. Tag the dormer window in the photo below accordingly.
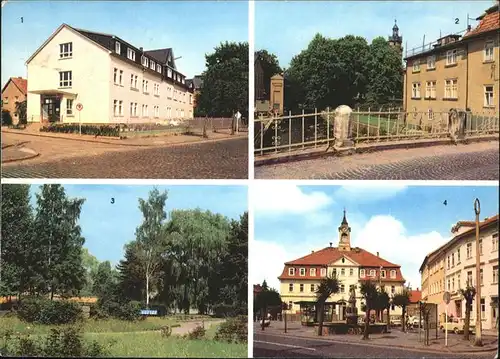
(130, 54)
(117, 47)
(66, 50)
(393, 274)
(152, 66)
(158, 68)
(382, 273)
(169, 73)
(312, 271)
(362, 273)
(302, 272)
(416, 66)
(291, 272)
(489, 47)
(451, 57)
(372, 272)
(144, 61)
(323, 272)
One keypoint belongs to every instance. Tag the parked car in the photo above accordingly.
(456, 325)
(413, 321)
(396, 322)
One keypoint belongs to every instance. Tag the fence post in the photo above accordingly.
(343, 130)
(378, 127)
(275, 135)
(315, 127)
(328, 126)
(303, 128)
(261, 137)
(289, 130)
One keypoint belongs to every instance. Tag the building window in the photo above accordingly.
(372, 272)
(121, 78)
(494, 242)
(481, 247)
(69, 107)
(351, 288)
(351, 272)
(416, 65)
(152, 66)
(469, 279)
(342, 272)
(458, 281)
(489, 48)
(66, 50)
(145, 86)
(145, 61)
(488, 96)
(452, 260)
(290, 287)
(483, 308)
(451, 89)
(302, 272)
(118, 108)
(382, 273)
(312, 288)
(481, 276)
(430, 89)
(495, 274)
(169, 73)
(157, 111)
(451, 57)
(133, 109)
(115, 76)
(190, 99)
(453, 284)
(157, 89)
(65, 79)
(362, 273)
(334, 272)
(342, 288)
(431, 62)
(130, 54)
(449, 287)
(158, 68)
(144, 110)
(393, 289)
(301, 287)
(415, 90)
(469, 250)
(393, 273)
(291, 271)
(131, 81)
(312, 272)
(458, 256)
(117, 47)
(323, 272)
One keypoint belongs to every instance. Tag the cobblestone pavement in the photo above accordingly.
(211, 160)
(463, 162)
(266, 345)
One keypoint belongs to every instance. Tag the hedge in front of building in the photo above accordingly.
(94, 130)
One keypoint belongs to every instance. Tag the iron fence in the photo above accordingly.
(302, 131)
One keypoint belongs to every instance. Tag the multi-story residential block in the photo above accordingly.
(459, 264)
(13, 92)
(115, 81)
(433, 279)
(456, 71)
(351, 265)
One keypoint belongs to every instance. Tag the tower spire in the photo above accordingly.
(344, 220)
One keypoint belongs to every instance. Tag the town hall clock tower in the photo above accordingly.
(344, 235)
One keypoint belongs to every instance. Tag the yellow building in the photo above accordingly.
(459, 72)
(351, 265)
(432, 273)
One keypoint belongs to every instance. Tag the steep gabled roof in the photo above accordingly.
(162, 55)
(415, 296)
(489, 21)
(19, 82)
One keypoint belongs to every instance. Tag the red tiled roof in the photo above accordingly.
(21, 84)
(328, 255)
(415, 296)
(257, 288)
(489, 22)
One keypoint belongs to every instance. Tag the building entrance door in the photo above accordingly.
(51, 109)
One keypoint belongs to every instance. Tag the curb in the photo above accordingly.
(20, 159)
(367, 343)
(118, 143)
(339, 152)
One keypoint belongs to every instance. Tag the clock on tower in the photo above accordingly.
(344, 235)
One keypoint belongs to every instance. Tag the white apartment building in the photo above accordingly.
(460, 268)
(114, 81)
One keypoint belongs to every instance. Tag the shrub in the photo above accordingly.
(6, 118)
(129, 311)
(162, 309)
(94, 130)
(197, 333)
(166, 331)
(233, 330)
(96, 312)
(45, 311)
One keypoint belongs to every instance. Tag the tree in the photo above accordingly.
(270, 66)
(225, 81)
(150, 236)
(469, 293)
(103, 279)
(21, 112)
(59, 243)
(369, 292)
(266, 298)
(15, 243)
(402, 300)
(91, 264)
(383, 302)
(131, 274)
(328, 286)
(384, 71)
(6, 118)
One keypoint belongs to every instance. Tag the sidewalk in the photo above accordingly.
(395, 338)
(13, 151)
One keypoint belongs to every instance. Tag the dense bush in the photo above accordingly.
(110, 308)
(129, 311)
(162, 309)
(6, 118)
(233, 330)
(45, 311)
(63, 342)
(94, 130)
(197, 333)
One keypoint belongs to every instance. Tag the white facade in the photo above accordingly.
(84, 72)
(460, 268)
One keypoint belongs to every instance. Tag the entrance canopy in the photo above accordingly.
(54, 92)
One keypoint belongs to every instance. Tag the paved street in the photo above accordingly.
(270, 345)
(227, 159)
(463, 162)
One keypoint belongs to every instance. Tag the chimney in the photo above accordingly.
(312, 251)
(331, 244)
(378, 254)
(19, 77)
(142, 49)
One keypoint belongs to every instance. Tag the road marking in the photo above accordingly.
(284, 345)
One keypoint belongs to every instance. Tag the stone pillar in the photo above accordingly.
(343, 128)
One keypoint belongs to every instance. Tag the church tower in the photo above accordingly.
(344, 235)
(395, 40)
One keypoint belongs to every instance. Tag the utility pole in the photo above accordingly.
(478, 342)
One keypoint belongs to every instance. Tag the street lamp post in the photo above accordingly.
(478, 340)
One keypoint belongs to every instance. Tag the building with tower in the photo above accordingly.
(395, 40)
(351, 265)
(457, 71)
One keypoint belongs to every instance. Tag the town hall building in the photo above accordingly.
(113, 80)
